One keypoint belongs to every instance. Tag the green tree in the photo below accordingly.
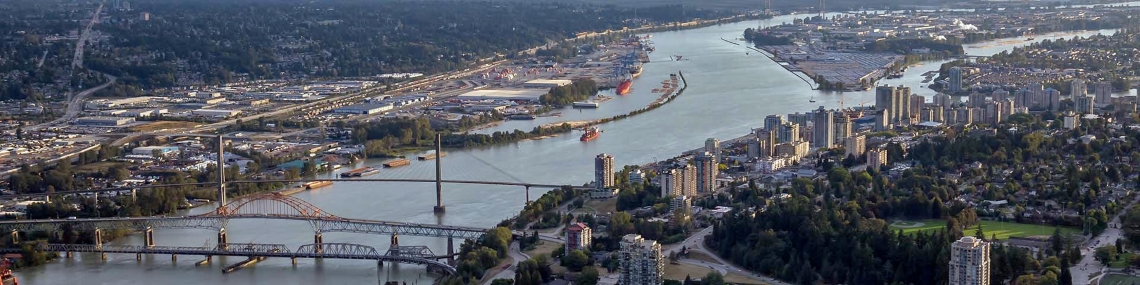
(713, 278)
(1106, 254)
(589, 276)
(575, 260)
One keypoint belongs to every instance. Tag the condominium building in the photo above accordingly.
(671, 180)
(955, 82)
(855, 145)
(604, 171)
(641, 261)
(1078, 88)
(773, 121)
(823, 128)
(970, 262)
(707, 172)
(876, 158)
(1103, 91)
(578, 237)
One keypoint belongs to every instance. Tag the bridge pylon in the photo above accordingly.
(15, 237)
(439, 209)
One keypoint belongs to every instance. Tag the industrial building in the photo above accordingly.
(215, 113)
(546, 83)
(364, 108)
(504, 94)
(104, 121)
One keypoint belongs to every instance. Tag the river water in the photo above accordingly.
(729, 93)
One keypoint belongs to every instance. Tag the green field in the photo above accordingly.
(1115, 279)
(1003, 230)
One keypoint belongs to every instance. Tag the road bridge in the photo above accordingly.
(325, 250)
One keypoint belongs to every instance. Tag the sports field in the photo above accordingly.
(1115, 279)
(1003, 230)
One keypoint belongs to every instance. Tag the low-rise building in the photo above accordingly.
(104, 121)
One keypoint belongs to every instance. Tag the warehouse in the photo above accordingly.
(364, 108)
(104, 121)
(546, 83)
(504, 94)
(164, 151)
(215, 113)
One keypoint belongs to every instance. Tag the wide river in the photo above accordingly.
(730, 92)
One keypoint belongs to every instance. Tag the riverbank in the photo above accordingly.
(665, 98)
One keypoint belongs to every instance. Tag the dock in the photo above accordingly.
(431, 156)
(397, 163)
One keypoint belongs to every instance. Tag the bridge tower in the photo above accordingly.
(439, 209)
(223, 240)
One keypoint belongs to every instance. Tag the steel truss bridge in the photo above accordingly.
(261, 206)
(324, 250)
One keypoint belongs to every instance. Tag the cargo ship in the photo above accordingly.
(591, 134)
(432, 155)
(397, 163)
(360, 172)
(624, 87)
(316, 184)
(635, 70)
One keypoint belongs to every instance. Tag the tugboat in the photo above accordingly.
(591, 134)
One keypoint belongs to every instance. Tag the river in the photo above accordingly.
(729, 93)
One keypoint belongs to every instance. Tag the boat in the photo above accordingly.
(812, 100)
(316, 184)
(1029, 39)
(521, 117)
(624, 87)
(432, 155)
(360, 172)
(591, 134)
(397, 163)
(590, 104)
(6, 277)
(676, 58)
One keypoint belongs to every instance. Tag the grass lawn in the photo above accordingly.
(1122, 260)
(602, 206)
(679, 271)
(1116, 279)
(98, 166)
(1003, 230)
(543, 247)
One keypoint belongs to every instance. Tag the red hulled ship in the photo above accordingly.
(591, 133)
(624, 87)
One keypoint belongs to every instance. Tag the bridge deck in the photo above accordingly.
(330, 251)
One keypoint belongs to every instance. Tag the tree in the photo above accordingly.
(589, 276)
(503, 281)
(1106, 254)
(575, 260)
(713, 278)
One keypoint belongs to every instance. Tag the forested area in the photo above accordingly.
(216, 41)
(566, 95)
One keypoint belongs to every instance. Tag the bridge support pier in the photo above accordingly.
(148, 237)
(138, 257)
(318, 241)
(451, 250)
(67, 254)
(527, 196)
(223, 240)
(173, 257)
(294, 260)
(15, 237)
(99, 239)
(103, 255)
(395, 241)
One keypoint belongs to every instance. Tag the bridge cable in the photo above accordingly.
(492, 166)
